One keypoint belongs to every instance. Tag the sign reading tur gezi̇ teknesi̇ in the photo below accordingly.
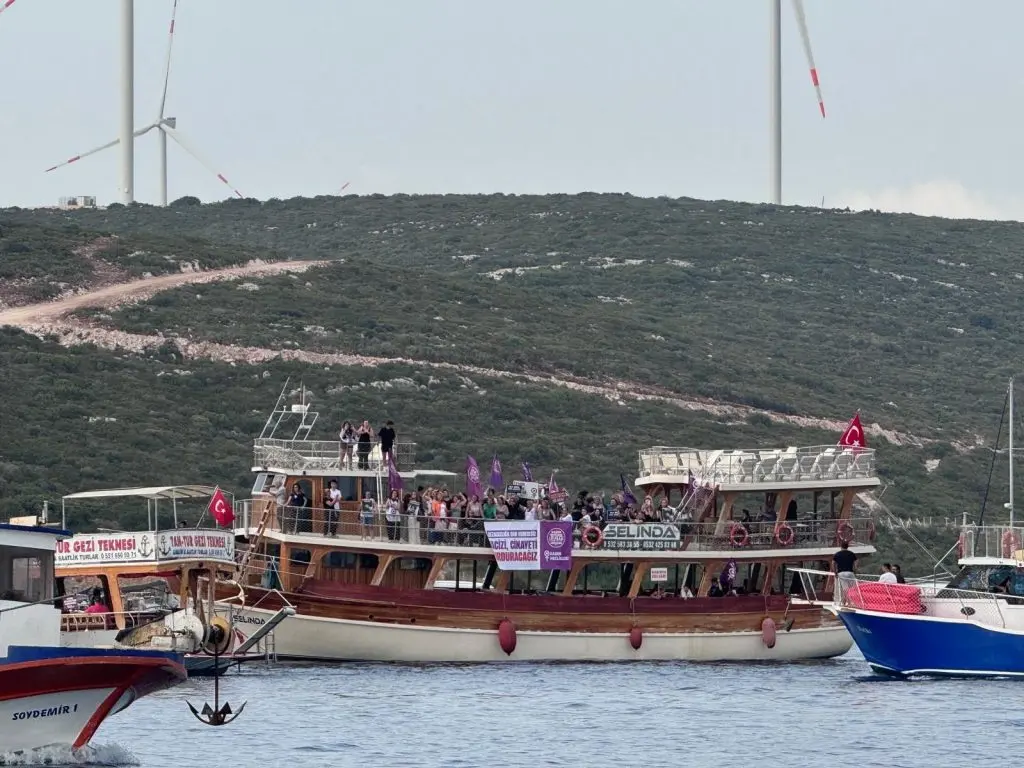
(530, 545)
(642, 536)
(92, 548)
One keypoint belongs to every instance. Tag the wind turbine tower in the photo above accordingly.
(127, 101)
(775, 86)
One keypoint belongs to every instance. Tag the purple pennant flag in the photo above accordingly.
(394, 479)
(472, 478)
(527, 474)
(497, 483)
(627, 494)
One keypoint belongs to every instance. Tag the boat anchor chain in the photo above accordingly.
(216, 641)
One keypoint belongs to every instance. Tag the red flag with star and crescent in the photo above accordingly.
(220, 508)
(853, 436)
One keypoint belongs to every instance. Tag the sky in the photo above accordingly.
(660, 97)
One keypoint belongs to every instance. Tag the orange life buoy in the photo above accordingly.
(1011, 543)
(592, 536)
(784, 535)
(738, 535)
(871, 531)
(845, 533)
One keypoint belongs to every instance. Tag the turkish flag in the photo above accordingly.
(220, 508)
(853, 437)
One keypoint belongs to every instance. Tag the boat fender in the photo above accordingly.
(768, 632)
(738, 535)
(507, 636)
(784, 535)
(1011, 542)
(636, 638)
(592, 536)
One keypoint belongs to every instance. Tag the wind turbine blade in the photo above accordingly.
(805, 36)
(5, 5)
(184, 144)
(108, 145)
(167, 65)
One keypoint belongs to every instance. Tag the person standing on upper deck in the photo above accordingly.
(364, 437)
(387, 442)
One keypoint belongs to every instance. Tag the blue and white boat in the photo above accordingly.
(972, 626)
(52, 696)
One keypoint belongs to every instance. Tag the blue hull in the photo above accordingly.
(902, 645)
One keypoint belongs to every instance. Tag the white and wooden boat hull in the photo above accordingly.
(317, 638)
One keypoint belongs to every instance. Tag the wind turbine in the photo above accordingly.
(776, 86)
(165, 126)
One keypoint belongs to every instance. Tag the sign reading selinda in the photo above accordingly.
(530, 545)
(642, 536)
(90, 548)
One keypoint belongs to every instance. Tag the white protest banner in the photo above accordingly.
(516, 543)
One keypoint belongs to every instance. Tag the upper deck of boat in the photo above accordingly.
(820, 467)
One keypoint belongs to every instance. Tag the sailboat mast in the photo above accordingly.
(1010, 452)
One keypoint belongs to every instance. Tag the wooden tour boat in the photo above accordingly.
(630, 591)
(151, 588)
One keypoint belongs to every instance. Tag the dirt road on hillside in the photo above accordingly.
(137, 290)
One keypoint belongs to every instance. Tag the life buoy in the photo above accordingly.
(507, 636)
(768, 632)
(1011, 543)
(784, 535)
(845, 533)
(871, 531)
(738, 535)
(636, 638)
(592, 536)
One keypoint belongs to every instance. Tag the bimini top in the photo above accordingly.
(155, 492)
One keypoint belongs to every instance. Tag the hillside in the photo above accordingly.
(572, 330)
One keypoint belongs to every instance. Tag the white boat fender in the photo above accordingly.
(768, 632)
(507, 636)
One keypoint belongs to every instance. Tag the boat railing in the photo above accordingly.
(80, 622)
(986, 608)
(821, 463)
(351, 523)
(297, 456)
(1000, 541)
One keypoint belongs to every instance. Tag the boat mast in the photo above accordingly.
(1010, 452)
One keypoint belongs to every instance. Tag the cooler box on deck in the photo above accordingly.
(885, 598)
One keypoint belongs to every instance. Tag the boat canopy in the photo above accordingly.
(155, 492)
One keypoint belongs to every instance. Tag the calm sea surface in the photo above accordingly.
(831, 713)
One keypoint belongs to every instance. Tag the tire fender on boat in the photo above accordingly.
(507, 636)
(768, 632)
(636, 638)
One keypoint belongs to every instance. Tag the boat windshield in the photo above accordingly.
(989, 578)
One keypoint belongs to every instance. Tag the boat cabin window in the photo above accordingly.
(263, 482)
(26, 575)
(81, 592)
(340, 560)
(148, 596)
(414, 564)
(990, 578)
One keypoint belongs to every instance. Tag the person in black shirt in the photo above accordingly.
(899, 574)
(844, 564)
(297, 501)
(387, 442)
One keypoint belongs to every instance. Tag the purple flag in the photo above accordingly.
(627, 494)
(472, 477)
(497, 483)
(394, 479)
(555, 545)
(527, 474)
(730, 572)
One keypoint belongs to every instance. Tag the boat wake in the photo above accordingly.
(93, 755)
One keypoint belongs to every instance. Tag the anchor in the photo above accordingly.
(218, 636)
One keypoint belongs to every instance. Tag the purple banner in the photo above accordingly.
(555, 545)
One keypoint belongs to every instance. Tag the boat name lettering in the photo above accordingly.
(243, 619)
(641, 536)
(119, 544)
(196, 540)
(32, 714)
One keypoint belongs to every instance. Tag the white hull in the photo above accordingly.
(52, 719)
(311, 637)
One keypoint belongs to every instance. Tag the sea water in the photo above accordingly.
(833, 713)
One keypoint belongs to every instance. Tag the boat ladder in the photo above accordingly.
(254, 543)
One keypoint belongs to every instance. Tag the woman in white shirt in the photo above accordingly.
(393, 516)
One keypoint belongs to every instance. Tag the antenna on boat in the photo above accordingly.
(278, 411)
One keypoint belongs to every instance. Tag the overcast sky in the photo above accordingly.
(652, 97)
